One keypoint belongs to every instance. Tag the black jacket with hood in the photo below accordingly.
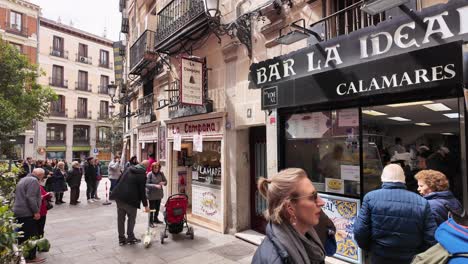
(131, 188)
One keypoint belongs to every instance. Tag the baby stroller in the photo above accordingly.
(175, 216)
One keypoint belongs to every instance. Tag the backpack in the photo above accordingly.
(437, 254)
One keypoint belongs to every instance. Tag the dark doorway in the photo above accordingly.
(258, 168)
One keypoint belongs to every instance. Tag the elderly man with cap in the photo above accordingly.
(28, 203)
(394, 224)
(90, 178)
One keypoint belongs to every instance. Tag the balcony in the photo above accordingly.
(63, 113)
(345, 21)
(177, 21)
(80, 141)
(84, 59)
(82, 86)
(55, 142)
(83, 114)
(145, 109)
(16, 29)
(106, 65)
(59, 53)
(122, 5)
(58, 82)
(102, 89)
(103, 116)
(142, 53)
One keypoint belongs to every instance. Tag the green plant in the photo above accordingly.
(9, 252)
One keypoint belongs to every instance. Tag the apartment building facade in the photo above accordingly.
(19, 25)
(214, 100)
(79, 67)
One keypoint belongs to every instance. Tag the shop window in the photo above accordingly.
(417, 135)
(206, 165)
(326, 145)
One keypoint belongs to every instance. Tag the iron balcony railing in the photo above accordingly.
(59, 53)
(142, 51)
(55, 142)
(79, 141)
(103, 115)
(106, 65)
(20, 30)
(58, 82)
(83, 59)
(122, 5)
(177, 15)
(62, 113)
(102, 89)
(347, 20)
(145, 109)
(125, 24)
(83, 114)
(83, 86)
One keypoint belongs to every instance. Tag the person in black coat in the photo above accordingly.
(59, 184)
(90, 178)
(74, 181)
(128, 194)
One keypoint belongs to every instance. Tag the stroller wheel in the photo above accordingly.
(162, 236)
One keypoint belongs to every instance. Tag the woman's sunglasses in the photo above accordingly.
(311, 197)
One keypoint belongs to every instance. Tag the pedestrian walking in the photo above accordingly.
(59, 185)
(90, 178)
(394, 224)
(128, 194)
(434, 187)
(74, 182)
(155, 180)
(151, 160)
(28, 203)
(294, 208)
(46, 196)
(98, 178)
(115, 171)
(28, 167)
(132, 162)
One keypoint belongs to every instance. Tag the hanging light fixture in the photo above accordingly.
(374, 7)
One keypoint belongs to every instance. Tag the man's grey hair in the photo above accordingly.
(38, 171)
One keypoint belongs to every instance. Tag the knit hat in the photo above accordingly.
(393, 173)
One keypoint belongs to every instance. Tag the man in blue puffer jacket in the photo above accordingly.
(394, 224)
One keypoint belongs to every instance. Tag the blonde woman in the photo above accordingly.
(294, 208)
(59, 182)
(434, 187)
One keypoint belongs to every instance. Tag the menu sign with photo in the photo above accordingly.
(191, 90)
(343, 212)
(310, 125)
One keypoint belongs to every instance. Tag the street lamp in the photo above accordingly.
(212, 8)
(111, 90)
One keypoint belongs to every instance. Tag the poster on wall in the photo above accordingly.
(343, 212)
(162, 144)
(177, 142)
(191, 90)
(334, 185)
(310, 125)
(207, 203)
(198, 143)
(348, 118)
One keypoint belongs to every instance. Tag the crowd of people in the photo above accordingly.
(394, 224)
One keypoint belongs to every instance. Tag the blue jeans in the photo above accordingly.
(113, 184)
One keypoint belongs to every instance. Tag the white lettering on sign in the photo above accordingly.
(434, 74)
(203, 127)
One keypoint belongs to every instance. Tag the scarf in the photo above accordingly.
(302, 249)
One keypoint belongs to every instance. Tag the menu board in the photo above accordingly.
(309, 125)
(343, 212)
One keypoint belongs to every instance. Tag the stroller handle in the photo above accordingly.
(178, 194)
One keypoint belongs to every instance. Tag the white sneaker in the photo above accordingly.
(95, 200)
(91, 201)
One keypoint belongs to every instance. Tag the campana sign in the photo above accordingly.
(413, 31)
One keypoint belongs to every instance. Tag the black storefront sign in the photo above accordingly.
(270, 96)
(430, 27)
(437, 71)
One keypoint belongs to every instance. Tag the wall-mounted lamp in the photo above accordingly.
(374, 7)
(299, 32)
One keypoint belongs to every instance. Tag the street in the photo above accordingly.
(87, 233)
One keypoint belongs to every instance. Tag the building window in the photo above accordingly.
(81, 135)
(104, 58)
(19, 47)
(82, 81)
(104, 110)
(58, 44)
(16, 20)
(58, 106)
(103, 133)
(82, 109)
(57, 76)
(104, 83)
(83, 50)
(55, 134)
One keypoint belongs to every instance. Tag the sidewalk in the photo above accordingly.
(87, 233)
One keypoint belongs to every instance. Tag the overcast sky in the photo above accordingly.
(88, 15)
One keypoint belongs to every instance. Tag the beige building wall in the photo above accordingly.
(72, 38)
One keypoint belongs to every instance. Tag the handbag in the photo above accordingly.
(49, 205)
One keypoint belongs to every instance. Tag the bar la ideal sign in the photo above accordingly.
(432, 26)
(207, 127)
(191, 82)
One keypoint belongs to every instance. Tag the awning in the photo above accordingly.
(81, 148)
(56, 148)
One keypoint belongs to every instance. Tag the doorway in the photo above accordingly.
(258, 168)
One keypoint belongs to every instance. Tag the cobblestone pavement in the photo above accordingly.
(87, 233)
